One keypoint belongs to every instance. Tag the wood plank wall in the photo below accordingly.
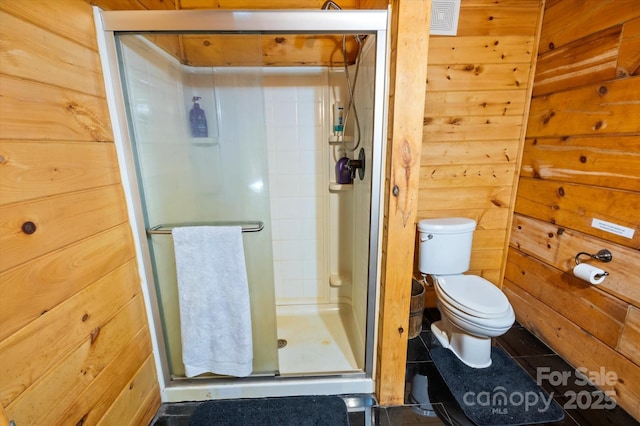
(581, 162)
(74, 342)
(478, 86)
(407, 67)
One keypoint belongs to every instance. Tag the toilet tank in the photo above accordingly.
(445, 245)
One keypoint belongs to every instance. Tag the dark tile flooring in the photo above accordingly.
(518, 342)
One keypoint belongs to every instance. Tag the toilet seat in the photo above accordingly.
(472, 296)
(481, 327)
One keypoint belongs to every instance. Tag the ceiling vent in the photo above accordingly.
(444, 17)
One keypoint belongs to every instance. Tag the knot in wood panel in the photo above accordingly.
(28, 228)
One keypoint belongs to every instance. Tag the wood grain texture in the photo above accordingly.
(34, 288)
(629, 344)
(71, 19)
(132, 404)
(28, 353)
(59, 221)
(475, 103)
(592, 309)
(573, 343)
(37, 111)
(34, 169)
(466, 175)
(575, 206)
(71, 66)
(611, 107)
(472, 128)
(94, 401)
(490, 18)
(484, 197)
(408, 66)
(477, 76)
(557, 246)
(61, 384)
(629, 56)
(266, 50)
(260, 4)
(587, 17)
(585, 61)
(68, 286)
(608, 161)
(485, 50)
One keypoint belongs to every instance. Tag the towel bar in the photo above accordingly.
(246, 226)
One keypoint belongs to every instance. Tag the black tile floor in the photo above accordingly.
(529, 352)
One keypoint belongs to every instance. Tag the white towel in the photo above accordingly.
(215, 314)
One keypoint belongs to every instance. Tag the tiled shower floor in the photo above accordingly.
(524, 347)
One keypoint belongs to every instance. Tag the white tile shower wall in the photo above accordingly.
(153, 84)
(296, 102)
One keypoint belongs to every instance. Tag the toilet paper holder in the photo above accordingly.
(603, 255)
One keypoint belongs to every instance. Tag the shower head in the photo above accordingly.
(330, 3)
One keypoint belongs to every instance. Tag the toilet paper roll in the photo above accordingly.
(589, 273)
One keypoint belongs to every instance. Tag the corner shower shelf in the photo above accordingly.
(335, 140)
(339, 187)
(203, 141)
(336, 280)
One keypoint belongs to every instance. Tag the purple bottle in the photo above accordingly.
(343, 171)
(198, 120)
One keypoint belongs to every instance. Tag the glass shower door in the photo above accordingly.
(199, 144)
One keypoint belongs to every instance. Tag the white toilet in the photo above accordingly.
(473, 310)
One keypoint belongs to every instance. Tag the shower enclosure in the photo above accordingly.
(213, 127)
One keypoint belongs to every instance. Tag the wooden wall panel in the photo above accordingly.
(36, 287)
(94, 401)
(59, 221)
(36, 169)
(557, 246)
(607, 108)
(486, 17)
(629, 344)
(592, 309)
(79, 368)
(484, 50)
(35, 111)
(408, 66)
(69, 66)
(476, 103)
(572, 343)
(135, 399)
(65, 18)
(580, 164)
(261, 4)
(576, 206)
(478, 86)
(590, 60)
(70, 295)
(587, 17)
(266, 50)
(28, 353)
(629, 57)
(606, 161)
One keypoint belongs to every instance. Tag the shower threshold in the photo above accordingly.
(321, 339)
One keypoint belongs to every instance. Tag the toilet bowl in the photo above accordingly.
(475, 312)
(472, 309)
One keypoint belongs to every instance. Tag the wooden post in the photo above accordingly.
(407, 87)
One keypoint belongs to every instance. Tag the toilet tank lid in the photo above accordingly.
(447, 225)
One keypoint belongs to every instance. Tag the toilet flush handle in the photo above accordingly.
(425, 238)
